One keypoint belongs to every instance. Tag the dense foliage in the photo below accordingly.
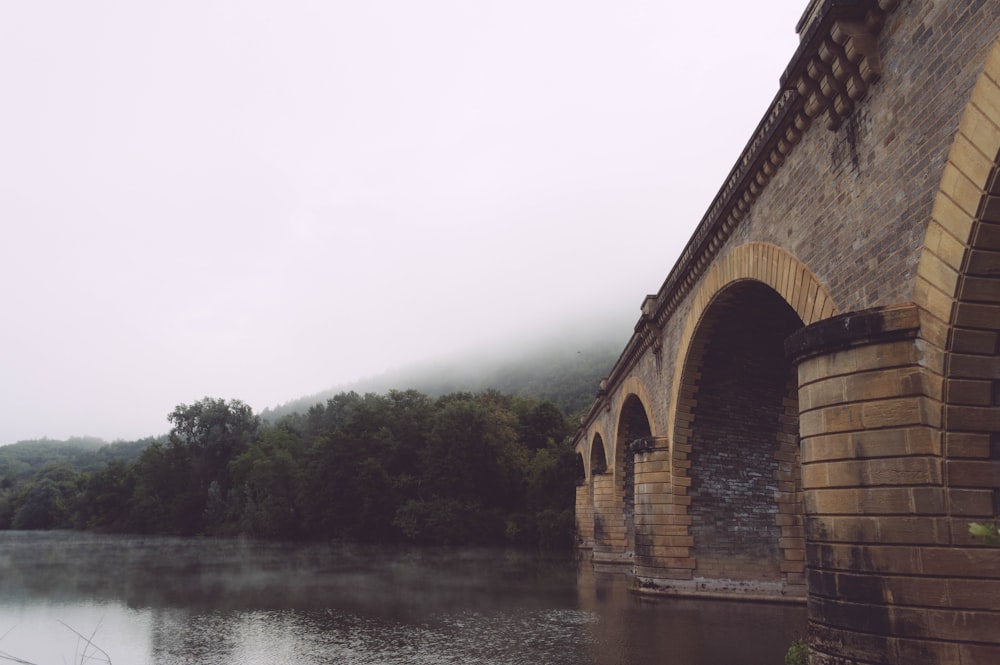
(462, 468)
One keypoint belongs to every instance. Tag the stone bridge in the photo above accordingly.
(809, 408)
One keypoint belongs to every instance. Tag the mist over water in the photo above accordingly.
(172, 600)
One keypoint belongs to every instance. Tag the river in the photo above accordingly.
(68, 597)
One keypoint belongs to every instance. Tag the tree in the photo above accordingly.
(267, 479)
(184, 486)
(106, 495)
(50, 500)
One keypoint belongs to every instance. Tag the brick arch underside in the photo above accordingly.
(739, 454)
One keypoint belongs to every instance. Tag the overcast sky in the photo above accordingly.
(258, 200)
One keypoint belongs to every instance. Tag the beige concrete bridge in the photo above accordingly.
(809, 409)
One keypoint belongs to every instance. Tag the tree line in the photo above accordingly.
(464, 468)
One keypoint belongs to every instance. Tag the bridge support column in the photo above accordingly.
(875, 504)
(661, 543)
(609, 520)
(584, 517)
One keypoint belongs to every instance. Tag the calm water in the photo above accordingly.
(171, 601)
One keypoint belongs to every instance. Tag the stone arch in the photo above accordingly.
(633, 435)
(737, 459)
(958, 293)
(632, 386)
(768, 551)
(598, 457)
(755, 261)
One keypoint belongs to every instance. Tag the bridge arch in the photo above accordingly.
(957, 291)
(597, 461)
(735, 451)
(633, 436)
(613, 492)
(958, 278)
(759, 262)
(632, 390)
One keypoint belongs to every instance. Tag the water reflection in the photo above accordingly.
(165, 601)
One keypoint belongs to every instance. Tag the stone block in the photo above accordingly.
(973, 473)
(974, 418)
(977, 654)
(969, 392)
(968, 445)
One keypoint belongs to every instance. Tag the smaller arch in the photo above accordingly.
(598, 456)
(632, 435)
(633, 387)
(633, 422)
(579, 469)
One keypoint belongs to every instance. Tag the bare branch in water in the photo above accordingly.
(8, 657)
(14, 659)
(89, 641)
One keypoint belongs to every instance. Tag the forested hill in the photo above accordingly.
(566, 373)
(24, 459)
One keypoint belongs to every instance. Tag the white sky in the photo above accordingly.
(258, 200)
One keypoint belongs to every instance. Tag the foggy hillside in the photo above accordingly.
(566, 371)
(23, 459)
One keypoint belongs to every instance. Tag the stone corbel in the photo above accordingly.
(843, 64)
(860, 44)
(602, 394)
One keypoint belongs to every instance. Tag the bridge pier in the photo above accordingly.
(584, 517)
(878, 554)
(610, 542)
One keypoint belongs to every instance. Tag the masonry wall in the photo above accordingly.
(853, 204)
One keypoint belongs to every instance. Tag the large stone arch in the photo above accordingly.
(736, 460)
(785, 284)
(958, 296)
(756, 261)
(957, 217)
(958, 278)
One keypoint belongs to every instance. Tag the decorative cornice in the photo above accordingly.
(830, 73)
(838, 57)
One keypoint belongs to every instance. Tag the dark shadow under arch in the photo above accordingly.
(598, 456)
(744, 436)
(633, 436)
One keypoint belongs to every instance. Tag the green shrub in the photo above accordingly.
(798, 653)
